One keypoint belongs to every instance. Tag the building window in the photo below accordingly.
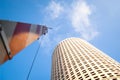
(114, 79)
(105, 70)
(86, 75)
(62, 76)
(96, 78)
(90, 69)
(103, 76)
(69, 66)
(66, 72)
(79, 64)
(110, 74)
(80, 78)
(81, 67)
(99, 71)
(67, 76)
(84, 71)
(87, 65)
(93, 73)
(72, 73)
(92, 64)
(95, 67)
(75, 66)
(101, 66)
(78, 74)
(73, 77)
(70, 69)
(76, 70)
(85, 62)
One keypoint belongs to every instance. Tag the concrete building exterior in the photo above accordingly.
(76, 59)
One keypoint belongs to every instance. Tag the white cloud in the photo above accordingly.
(54, 9)
(77, 14)
(79, 17)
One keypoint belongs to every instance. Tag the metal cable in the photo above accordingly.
(36, 54)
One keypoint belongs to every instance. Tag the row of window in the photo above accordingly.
(67, 62)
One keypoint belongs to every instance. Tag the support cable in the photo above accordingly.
(36, 54)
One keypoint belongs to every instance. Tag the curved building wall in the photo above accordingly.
(76, 59)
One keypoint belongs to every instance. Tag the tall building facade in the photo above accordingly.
(76, 59)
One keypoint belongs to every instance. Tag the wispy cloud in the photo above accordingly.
(54, 9)
(77, 14)
(79, 17)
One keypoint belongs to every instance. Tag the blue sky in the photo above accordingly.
(93, 20)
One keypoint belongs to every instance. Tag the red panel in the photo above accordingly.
(19, 38)
(22, 27)
(38, 29)
(19, 35)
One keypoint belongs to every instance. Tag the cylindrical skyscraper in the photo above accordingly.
(76, 59)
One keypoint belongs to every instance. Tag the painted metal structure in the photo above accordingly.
(15, 36)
